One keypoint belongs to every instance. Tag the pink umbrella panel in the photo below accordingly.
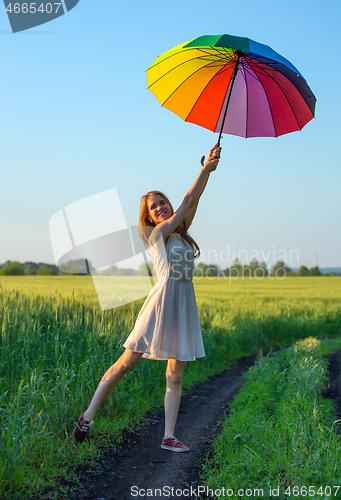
(264, 102)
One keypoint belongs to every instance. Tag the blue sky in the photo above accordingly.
(77, 119)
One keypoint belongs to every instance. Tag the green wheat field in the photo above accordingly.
(56, 343)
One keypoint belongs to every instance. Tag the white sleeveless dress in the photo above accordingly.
(168, 324)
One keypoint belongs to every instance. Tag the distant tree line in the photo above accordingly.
(73, 267)
(77, 267)
(27, 268)
(257, 269)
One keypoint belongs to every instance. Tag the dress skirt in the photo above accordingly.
(168, 324)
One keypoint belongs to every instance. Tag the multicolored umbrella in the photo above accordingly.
(232, 85)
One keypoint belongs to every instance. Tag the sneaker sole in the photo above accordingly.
(172, 448)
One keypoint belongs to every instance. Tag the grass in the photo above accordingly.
(280, 431)
(56, 344)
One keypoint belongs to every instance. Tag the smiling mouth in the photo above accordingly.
(162, 213)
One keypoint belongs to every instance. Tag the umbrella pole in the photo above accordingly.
(228, 97)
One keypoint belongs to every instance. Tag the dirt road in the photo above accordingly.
(142, 465)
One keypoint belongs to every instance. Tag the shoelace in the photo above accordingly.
(84, 427)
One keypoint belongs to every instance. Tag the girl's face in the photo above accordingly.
(158, 209)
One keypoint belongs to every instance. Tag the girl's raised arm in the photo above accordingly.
(190, 200)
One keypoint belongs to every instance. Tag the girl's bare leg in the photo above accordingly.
(110, 379)
(174, 373)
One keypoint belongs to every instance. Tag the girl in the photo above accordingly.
(167, 326)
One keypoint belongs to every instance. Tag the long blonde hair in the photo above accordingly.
(146, 226)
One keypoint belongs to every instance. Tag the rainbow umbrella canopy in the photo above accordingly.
(232, 85)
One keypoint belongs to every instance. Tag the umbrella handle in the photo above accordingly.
(202, 161)
(218, 143)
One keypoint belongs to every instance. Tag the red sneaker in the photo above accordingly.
(173, 444)
(81, 430)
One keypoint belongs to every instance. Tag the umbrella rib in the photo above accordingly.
(168, 57)
(248, 69)
(170, 95)
(225, 68)
(247, 95)
(267, 98)
(227, 89)
(268, 73)
(293, 112)
(255, 76)
(216, 50)
(259, 63)
(184, 62)
(186, 50)
(220, 72)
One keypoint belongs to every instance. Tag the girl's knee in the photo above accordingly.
(127, 365)
(174, 371)
(125, 368)
(173, 377)
(128, 360)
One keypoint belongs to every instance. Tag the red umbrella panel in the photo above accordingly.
(232, 85)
